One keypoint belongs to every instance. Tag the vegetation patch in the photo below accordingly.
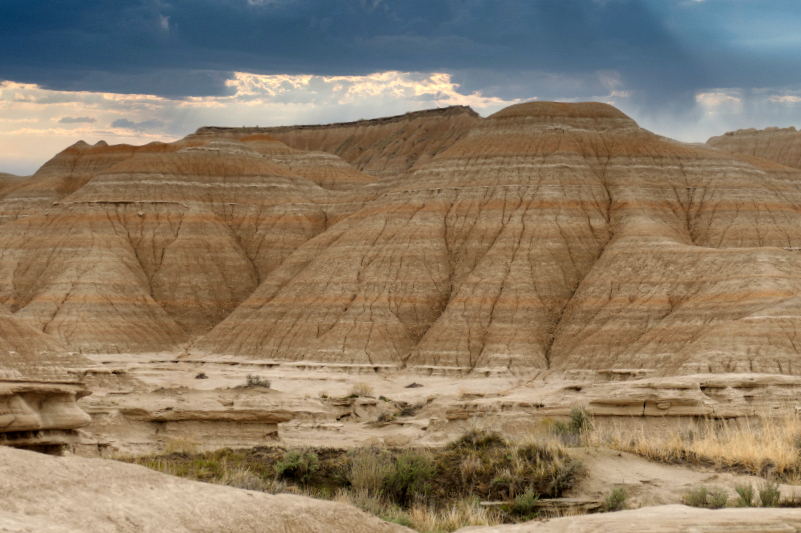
(763, 446)
(428, 489)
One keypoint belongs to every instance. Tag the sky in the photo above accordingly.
(136, 71)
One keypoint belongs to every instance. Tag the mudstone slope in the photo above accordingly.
(782, 145)
(546, 236)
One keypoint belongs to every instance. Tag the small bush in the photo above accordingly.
(615, 500)
(696, 497)
(477, 438)
(410, 479)
(769, 493)
(717, 499)
(253, 380)
(704, 497)
(297, 465)
(745, 495)
(201, 375)
(581, 420)
(385, 418)
(369, 469)
(525, 505)
(360, 390)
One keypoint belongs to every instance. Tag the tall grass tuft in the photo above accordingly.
(765, 444)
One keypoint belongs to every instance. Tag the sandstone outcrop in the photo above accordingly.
(71, 494)
(782, 145)
(382, 147)
(39, 386)
(145, 421)
(67, 172)
(662, 519)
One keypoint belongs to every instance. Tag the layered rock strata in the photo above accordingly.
(163, 245)
(782, 145)
(551, 236)
(382, 147)
(547, 236)
(39, 386)
(142, 421)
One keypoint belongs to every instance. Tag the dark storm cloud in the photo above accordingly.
(663, 49)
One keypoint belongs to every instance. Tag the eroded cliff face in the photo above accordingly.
(551, 236)
(547, 236)
(781, 145)
(163, 245)
(384, 147)
(39, 386)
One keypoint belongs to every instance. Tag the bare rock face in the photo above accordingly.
(548, 236)
(67, 172)
(662, 519)
(551, 236)
(71, 494)
(160, 246)
(39, 386)
(382, 147)
(782, 145)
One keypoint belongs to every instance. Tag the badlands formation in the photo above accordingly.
(782, 145)
(505, 268)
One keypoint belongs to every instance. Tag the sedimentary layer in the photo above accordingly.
(382, 147)
(161, 246)
(782, 145)
(551, 236)
(546, 236)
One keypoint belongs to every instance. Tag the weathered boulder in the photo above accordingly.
(71, 494)
(662, 519)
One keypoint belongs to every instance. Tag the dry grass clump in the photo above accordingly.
(422, 516)
(767, 444)
(369, 468)
(360, 390)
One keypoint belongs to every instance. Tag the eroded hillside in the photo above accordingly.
(546, 236)
(382, 147)
(781, 145)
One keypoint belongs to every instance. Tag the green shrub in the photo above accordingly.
(297, 465)
(411, 478)
(704, 497)
(615, 500)
(696, 497)
(525, 505)
(745, 495)
(581, 420)
(769, 493)
(717, 499)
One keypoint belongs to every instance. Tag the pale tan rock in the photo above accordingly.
(76, 494)
(397, 440)
(667, 518)
(782, 145)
